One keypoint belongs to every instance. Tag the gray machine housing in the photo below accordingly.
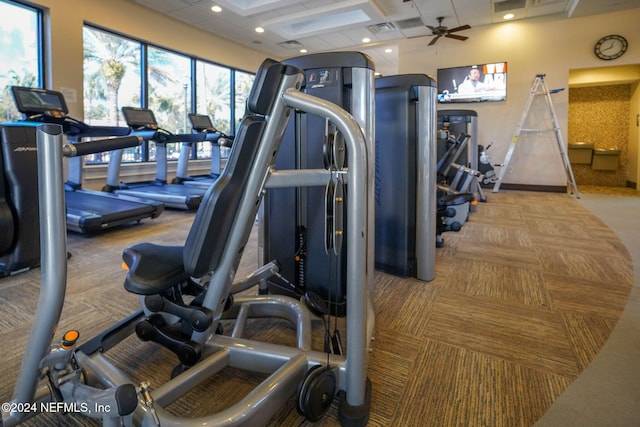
(405, 190)
(294, 226)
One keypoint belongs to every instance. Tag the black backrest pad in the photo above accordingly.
(213, 222)
(265, 87)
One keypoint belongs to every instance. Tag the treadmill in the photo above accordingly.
(201, 124)
(88, 211)
(143, 123)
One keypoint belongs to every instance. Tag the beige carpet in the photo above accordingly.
(524, 297)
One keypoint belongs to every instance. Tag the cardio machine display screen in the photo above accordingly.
(31, 100)
(200, 121)
(136, 117)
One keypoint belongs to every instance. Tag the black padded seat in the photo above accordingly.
(156, 268)
(153, 268)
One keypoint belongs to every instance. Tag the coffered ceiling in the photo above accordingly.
(322, 25)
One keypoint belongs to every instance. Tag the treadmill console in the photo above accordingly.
(140, 118)
(202, 123)
(32, 101)
(49, 106)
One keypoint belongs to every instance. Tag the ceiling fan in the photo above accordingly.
(441, 30)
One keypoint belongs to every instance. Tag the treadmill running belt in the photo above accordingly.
(91, 213)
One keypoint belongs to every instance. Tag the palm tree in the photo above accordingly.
(109, 58)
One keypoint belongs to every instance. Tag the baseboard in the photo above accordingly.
(631, 184)
(540, 188)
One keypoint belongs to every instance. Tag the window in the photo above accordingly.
(20, 50)
(243, 82)
(112, 80)
(174, 86)
(213, 96)
(169, 77)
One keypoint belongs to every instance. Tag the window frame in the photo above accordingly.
(193, 95)
(40, 58)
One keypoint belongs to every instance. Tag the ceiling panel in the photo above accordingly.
(291, 21)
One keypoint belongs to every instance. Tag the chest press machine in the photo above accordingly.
(213, 248)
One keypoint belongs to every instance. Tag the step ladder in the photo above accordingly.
(539, 87)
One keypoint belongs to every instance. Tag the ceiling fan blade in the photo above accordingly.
(457, 37)
(433, 41)
(460, 28)
(431, 28)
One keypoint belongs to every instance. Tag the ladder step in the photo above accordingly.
(540, 130)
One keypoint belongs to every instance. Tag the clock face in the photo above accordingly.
(611, 47)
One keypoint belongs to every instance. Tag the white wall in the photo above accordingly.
(529, 47)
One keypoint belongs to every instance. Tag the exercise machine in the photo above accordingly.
(88, 211)
(474, 157)
(143, 123)
(201, 124)
(160, 275)
(454, 198)
(40, 356)
(455, 178)
(19, 219)
(405, 211)
(458, 122)
(296, 220)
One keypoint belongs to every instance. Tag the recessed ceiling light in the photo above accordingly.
(259, 30)
(366, 40)
(508, 16)
(216, 8)
(303, 50)
(388, 50)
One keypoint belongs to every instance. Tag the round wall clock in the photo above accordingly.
(611, 47)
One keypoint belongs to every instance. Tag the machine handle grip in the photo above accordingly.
(84, 148)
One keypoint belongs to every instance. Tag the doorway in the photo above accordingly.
(604, 110)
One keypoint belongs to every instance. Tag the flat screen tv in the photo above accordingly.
(473, 83)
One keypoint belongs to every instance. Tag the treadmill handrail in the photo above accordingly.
(108, 144)
(162, 136)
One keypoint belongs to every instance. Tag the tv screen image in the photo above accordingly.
(473, 83)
